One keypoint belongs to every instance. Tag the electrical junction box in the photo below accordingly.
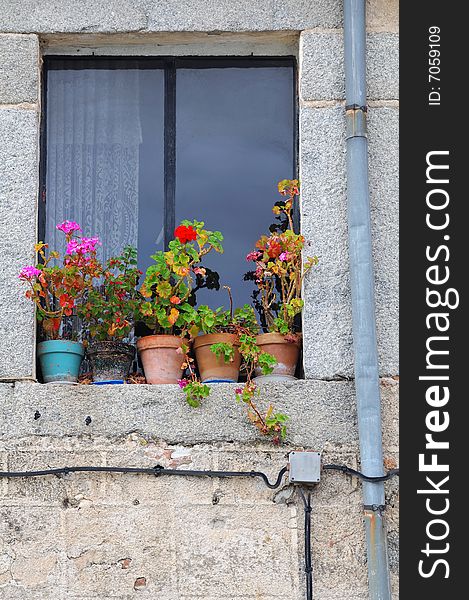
(305, 467)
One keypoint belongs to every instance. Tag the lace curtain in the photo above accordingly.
(93, 141)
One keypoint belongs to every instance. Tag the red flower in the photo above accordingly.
(274, 249)
(185, 233)
(67, 303)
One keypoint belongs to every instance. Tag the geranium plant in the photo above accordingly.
(58, 284)
(168, 283)
(270, 423)
(109, 307)
(236, 322)
(241, 322)
(280, 269)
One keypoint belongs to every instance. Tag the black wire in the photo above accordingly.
(350, 471)
(308, 559)
(158, 470)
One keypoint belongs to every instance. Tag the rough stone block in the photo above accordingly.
(328, 349)
(110, 549)
(243, 15)
(65, 490)
(160, 491)
(383, 135)
(173, 15)
(382, 66)
(320, 412)
(34, 541)
(205, 15)
(228, 538)
(304, 14)
(18, 204)
(19, 68)
(338, 545)
(87, 16)
(327, 313)
(382, 15)
(335, 489)
(322, 66)
(268, 460)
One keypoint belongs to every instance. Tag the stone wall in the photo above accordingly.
(104, 536)
(101, 536)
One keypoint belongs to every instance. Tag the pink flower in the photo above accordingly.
(259, 273)
(253, 255)
(238, 390)
(29, 273)
(68, 227)
(284, 256)
(83, 245)
(182, 383)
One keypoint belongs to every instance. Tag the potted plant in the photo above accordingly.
(108, 315)
(217, 349)
(57, 290)
(165, 308)
(279, 278)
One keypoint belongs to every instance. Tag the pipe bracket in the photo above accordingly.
(355, 121)
(375, 507)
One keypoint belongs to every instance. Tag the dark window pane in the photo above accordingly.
(105, 154)
(234, 142)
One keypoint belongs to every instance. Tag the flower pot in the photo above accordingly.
(285, 349)
(110, 361)
(60, 360)
(161, 361)
(214, 369)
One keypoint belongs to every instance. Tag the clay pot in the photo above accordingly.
(110, 361)
(286, 352)
(211, 367)
(161, 362)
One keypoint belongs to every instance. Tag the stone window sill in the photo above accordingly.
(320, 412)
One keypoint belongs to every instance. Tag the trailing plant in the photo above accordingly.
(280, 270)
(168, 283)
(108, 309)
(223, 350)
(270, 423)
(243, 323)
(58, 284)
(193, 388)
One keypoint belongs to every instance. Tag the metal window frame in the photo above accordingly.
(170, 65)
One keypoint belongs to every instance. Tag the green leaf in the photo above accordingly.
(223, 350)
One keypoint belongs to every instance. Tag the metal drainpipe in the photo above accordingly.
(363, 303)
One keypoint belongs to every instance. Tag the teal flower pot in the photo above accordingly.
(60, 360)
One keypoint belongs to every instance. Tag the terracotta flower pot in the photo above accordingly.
(110, 361)
(161, 362)
(286, 351)
(211, 367)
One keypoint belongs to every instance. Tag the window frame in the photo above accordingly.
(170, 65)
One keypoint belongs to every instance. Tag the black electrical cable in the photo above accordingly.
(350, 471)
(158, 470)
(308, 559)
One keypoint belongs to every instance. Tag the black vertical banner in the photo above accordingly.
(434, 325)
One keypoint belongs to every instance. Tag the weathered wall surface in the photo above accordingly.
(85, 537)
(108, 536)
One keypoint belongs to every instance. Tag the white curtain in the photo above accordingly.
(93, 140)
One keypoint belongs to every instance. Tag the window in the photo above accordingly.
(134, 145)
